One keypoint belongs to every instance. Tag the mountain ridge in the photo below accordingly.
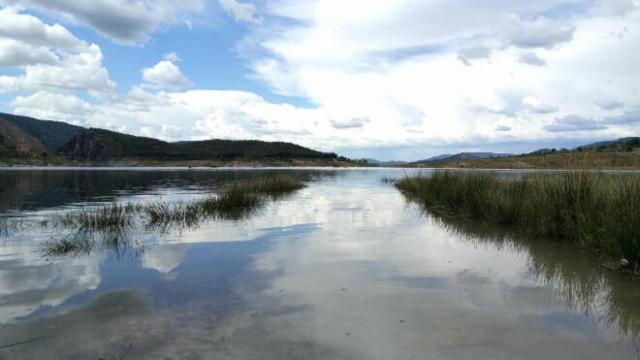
(94, 145)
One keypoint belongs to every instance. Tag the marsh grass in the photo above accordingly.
(111, 217)
(9, 226)
(275, 185)
(597, 210)
(111, 224)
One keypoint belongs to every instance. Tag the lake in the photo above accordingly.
(345, 268)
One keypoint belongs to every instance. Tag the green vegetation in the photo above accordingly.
(617, 154)
(113, 217)
(595, 210)
(111, 224)
(15, 143)
(53, 134)
(98, 145)
(238, 200)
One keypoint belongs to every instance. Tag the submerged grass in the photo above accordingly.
(597, 210)
(235, 201)
(111, 217)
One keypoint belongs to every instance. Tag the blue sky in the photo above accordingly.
(386, 79)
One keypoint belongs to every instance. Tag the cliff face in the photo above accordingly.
(86, 146)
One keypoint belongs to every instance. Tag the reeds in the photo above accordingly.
(112, 217)
(113, 222)
(598, 210)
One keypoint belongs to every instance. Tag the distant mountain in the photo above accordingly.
(464, 156)
(621, 144)
(24, 137)
(53, 134)
(15, 143)
(376, 162)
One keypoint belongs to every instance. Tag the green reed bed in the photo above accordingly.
(597, 210)
(113, 222)
(275, 185)
(110, 217)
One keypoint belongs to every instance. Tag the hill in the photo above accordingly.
(53, 134)
(99, 145)
(614, 154)
(15, 143)
(464, 156)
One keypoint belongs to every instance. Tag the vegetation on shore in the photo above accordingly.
(595, 210)
(621, 154)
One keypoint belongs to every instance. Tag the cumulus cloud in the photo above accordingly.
(503, 128)
(537, 106)
(572, 123)
(124, 21)
(165, 75)
(467, 55)
(628, 118)
(27, 29)
(531, 58)
(609, 104)
(16, 54)
(352, 123)
(56, 106)
(49, 57)
(241, 11)
(540, 33)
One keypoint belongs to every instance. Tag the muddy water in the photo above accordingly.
(343, 269)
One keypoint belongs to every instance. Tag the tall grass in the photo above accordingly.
(111, 217)
(113, 222)
(597, 210)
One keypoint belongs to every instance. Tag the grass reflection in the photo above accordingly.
(608, 297)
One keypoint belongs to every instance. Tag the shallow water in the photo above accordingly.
(343, 269)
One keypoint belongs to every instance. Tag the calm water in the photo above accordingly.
(343, 269)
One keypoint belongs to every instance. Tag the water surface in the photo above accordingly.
(343, 269)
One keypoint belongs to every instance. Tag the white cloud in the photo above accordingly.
(49, 56)
(531, 58)
(467, 55)
(537, 106)
(47, 105)
(28, 29)
(165, 75)
(572, 123)
(172, 56)
(609, 104)
(627, 118)
(124, 21)
(352, 123)
(241, 11)
(540, 33)
(16, 54)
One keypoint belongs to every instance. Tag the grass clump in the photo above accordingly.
(275, 185)
(598, 210)
(236, 201)
(112, 217)
(110, 225)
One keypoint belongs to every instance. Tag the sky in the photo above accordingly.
(384, 79)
